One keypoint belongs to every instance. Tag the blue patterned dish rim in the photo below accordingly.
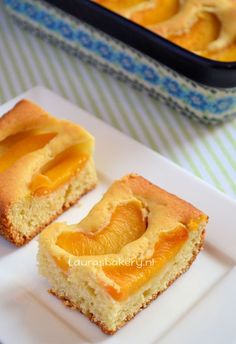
(208, 104)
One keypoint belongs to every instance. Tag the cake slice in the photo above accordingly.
(46, 165)
(131, 247)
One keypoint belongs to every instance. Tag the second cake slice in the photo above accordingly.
(46, 165)
(132, 246)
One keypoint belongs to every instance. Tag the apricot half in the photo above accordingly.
(21, 145)
(58, 171)
(126, 225)
(131, 277)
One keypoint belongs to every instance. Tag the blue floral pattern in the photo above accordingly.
(66, 30)
(150, 75)
(222, 105)
(179, 90)
(126, 62)
(31, 11)
(173, 87)
(104, 50)
(48, 21)
(197, 100)
(85, 39)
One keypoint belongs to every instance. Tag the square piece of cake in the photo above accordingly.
(46, 165)
(132, 246)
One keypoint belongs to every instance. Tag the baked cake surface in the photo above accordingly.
(46, 165)
(205, 27)
(132, 246)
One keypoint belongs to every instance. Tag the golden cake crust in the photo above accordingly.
(27, 117)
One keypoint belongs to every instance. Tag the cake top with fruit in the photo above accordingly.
(205, 27)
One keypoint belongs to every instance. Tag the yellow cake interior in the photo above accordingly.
(205, 27)
(119, 257)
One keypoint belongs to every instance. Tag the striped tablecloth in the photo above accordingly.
(26, 61)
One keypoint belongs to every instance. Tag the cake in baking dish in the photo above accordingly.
(205, 27)
(132, 246)
(46, 165)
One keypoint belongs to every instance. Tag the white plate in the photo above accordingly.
(199, 307)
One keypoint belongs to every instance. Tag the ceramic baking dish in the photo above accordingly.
(200, 88)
